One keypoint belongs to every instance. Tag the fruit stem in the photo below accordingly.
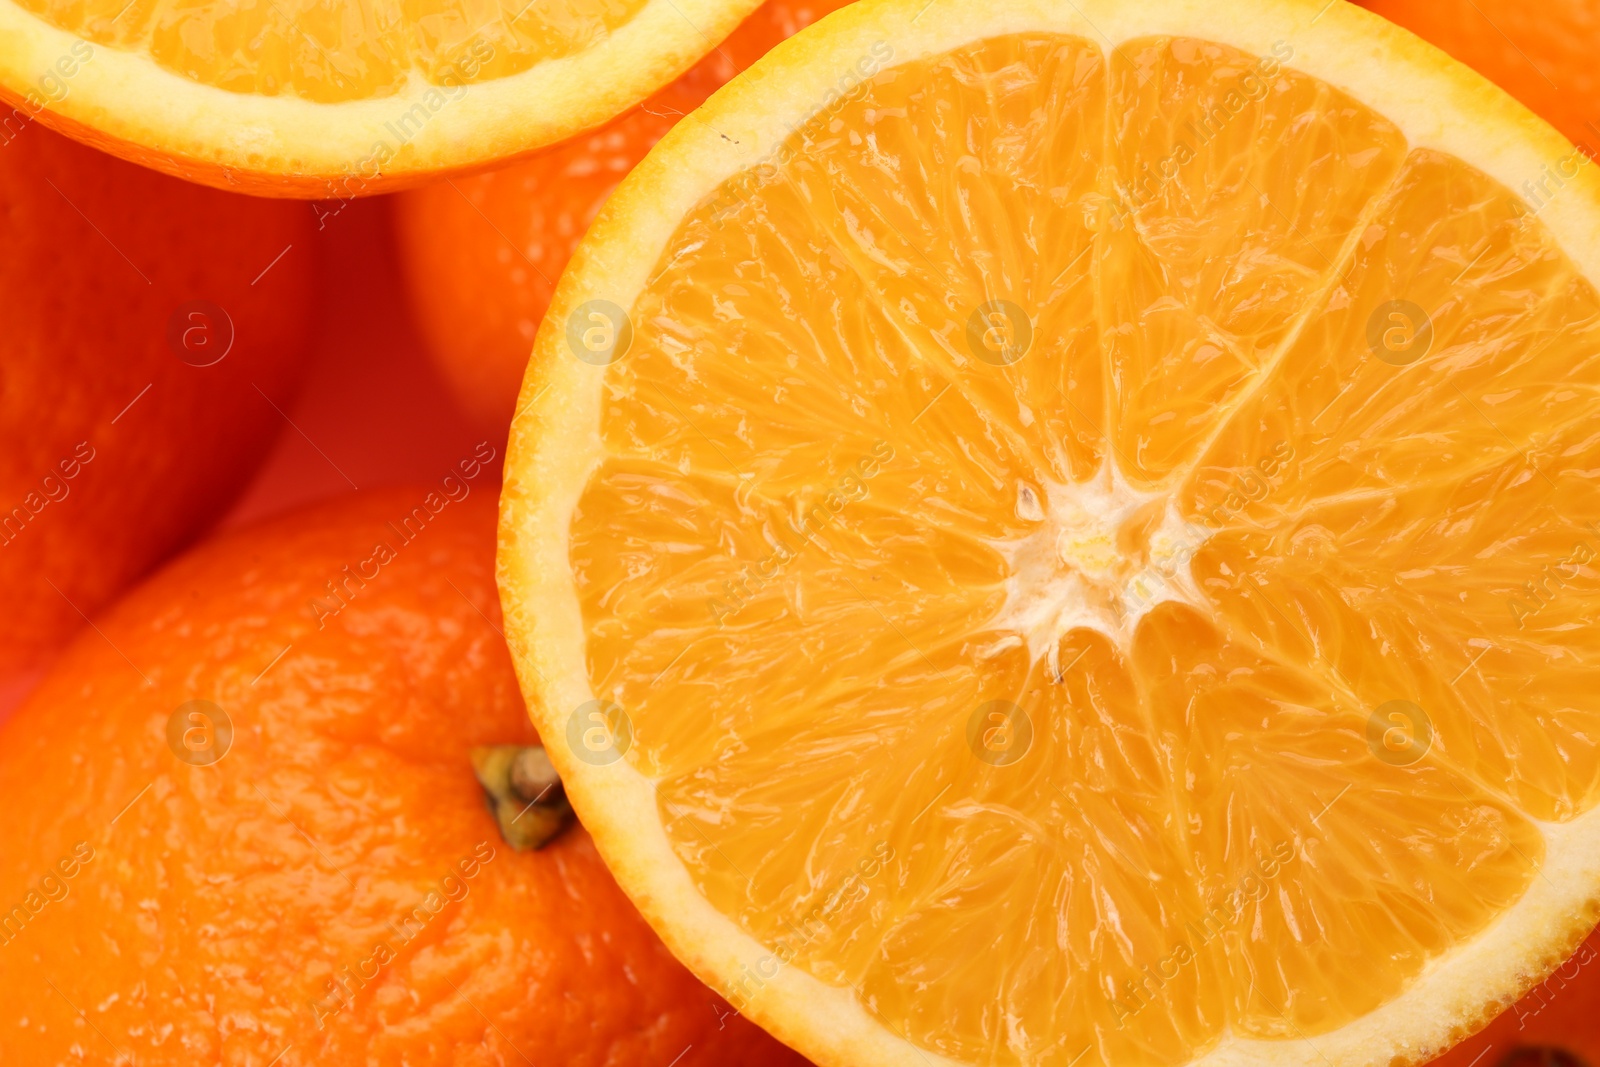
(524, 792)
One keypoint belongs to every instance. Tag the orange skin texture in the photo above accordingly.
(224, 899)
(98, 255)
(1541, 53)
(481, 255)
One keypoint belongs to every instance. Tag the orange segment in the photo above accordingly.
(1055, 532)
(942, 230)
(1276, 766)
(1213, 256)
(727, 319)
(1436, 501)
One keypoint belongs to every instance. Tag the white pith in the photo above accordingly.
(557, 446)
(1073, 572)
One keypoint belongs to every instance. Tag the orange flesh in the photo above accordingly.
(343, 51)
(1199, 533)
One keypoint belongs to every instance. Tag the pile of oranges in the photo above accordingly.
(272, 793)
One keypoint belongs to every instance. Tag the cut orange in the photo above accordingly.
(332, 101)
(1064, 532)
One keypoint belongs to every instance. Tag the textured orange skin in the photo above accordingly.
(85, 330)
(1541, 53)
(225, 897)
(481, 255)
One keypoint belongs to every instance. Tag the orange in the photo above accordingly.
(299, 98)
(243, 826)
(153, 330)
(1067, 532)
(481, 254)
(1542, 54)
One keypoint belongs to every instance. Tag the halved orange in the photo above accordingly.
(332, 101)
(1064, 532)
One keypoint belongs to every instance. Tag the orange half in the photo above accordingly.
(1065, 533)
(300, 98)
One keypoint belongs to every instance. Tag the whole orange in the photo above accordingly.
(243, 827)
(1542, 54)
(481, 255)
(150, 326)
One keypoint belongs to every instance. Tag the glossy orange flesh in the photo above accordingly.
(1039, 662)
(348, 51)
